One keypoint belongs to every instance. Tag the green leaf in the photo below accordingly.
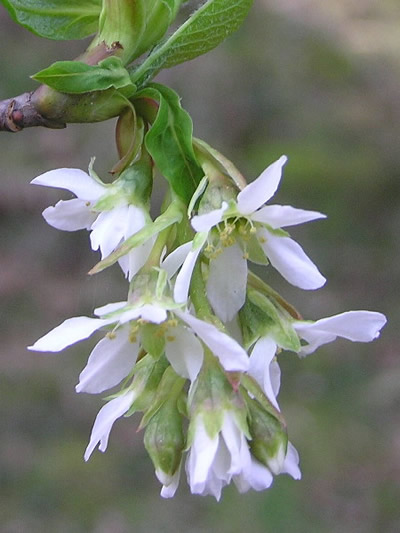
(56, 19)
(203, 31)
(170, 144)
(75, 77)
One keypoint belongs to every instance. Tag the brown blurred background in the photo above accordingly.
(320, 82)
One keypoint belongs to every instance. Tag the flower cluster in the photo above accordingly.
(195, 346)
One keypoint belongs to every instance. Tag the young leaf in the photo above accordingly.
(203, 31)
(75, 77)
(56, 19)
(170, 144)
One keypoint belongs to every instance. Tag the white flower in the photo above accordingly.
(227, 292)
(114, 356)
(105, 419)
(356, 326)
(110, 223)
(264, 368)
(213, 461)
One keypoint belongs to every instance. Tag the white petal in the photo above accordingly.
(256, 476)
(110, 362)
(109, 308)
(226, 284)
(74, 180)
(105, 419)
(152, 313)
(237, 445)
(262, 189)
(356, 326)
(231, 355)
(205, 222)
(291, 463)
(69, 332)
(175, 259)
(290, 260)
(133, 261)
(170, 483)
(184, 352)
(200, 458)
(70, 215)
(108, 230)
(183, 279)
(281, 216)
(260, 363)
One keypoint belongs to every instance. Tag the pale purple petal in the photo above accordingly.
(69, 332)
(231, 355)
(262, 189)
(291, 463)
(105, 419)
(205, 222)
(74, 180)
(356, 326)
(260, 367)
(227, 280)
(176, 258)
(290, 260)
(70, 215)
(110, 362)
(281, 216)
(184, 351)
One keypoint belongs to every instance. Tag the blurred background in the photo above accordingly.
(320, 82)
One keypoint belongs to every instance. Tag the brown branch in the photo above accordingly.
(20, 112)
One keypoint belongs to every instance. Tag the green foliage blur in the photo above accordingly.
(318, 81)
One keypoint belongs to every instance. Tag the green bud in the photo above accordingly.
(135, 25)
(164, 438)
(269, 438)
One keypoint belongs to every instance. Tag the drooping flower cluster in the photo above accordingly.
(199, 336)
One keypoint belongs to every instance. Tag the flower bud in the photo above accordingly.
(269, 439)
(164, 438)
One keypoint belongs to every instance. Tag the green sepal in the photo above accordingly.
(170, 387)
(147, 376)
(169, 141)
(172, 215)
(164, 437)
(129, 136)
(153, 340)
(75, 77)
(269, 438)
(254, 251)
(56, 19)
(212, 23)
(260, 317)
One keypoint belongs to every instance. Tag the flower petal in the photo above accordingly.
(261, 359)
(183, 279)
(256, 476)
(262, 189)
(291, 463)
(231, 355)
(184, 351)
(356, 326)
(205, 222)
(108, 230)
(105, 419)
(109, 308)
(74, 180)
(200, 458)
(70, 215)
(290, 260)
(227, 293)
(110, 362)
(170, 483)
(152, 313)
(176, 258)
(69, 332)
(281, 216)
